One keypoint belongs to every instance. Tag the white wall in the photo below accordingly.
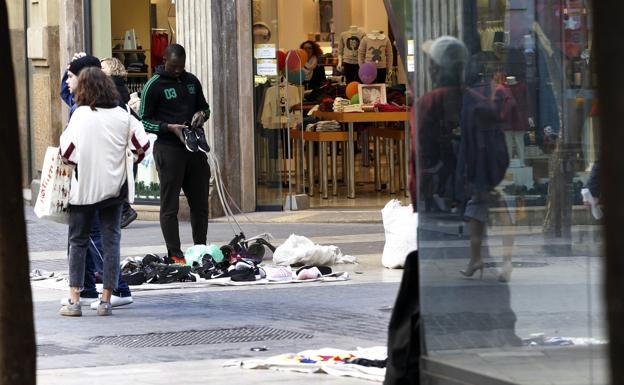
(101, 42)
(311, 18)
(342, 15)
(297, 18)
(290, 16)
(375, 15)
(369, 15)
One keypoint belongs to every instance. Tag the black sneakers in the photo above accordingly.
(201, 140)
(190, 139)
(206, 269)
(195, 139)
(128, 216)
(172, 273)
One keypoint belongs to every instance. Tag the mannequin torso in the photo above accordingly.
(376, 48)
(348, 45)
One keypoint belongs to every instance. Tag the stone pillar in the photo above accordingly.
(43, 52)
(72, 29)
(217, 39)
(246, 107)
(225, 102)
(17, 33)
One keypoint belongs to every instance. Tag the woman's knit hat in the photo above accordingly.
(86, 61)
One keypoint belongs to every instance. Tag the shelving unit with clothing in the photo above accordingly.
(140, 30)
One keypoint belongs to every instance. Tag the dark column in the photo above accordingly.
(609, 30)
(17, 336)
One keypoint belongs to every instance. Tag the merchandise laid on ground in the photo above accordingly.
(242, 262)
(367, 364)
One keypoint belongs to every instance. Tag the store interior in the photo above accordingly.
(540, 52)
(339, 27)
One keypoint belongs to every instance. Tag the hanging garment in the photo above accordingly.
(276, 105)
(159, 44)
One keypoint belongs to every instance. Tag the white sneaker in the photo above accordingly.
(589, 198)
(278, 273)
(83, 301)
(439, 202)
(115, 302)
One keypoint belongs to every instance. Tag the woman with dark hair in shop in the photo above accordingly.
(95, 140)
(314, 72)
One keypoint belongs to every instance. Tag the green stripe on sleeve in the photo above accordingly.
(144, 93)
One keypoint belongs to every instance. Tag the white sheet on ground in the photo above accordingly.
(292, 363)
(298, 249)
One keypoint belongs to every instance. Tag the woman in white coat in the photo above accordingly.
(96, 140)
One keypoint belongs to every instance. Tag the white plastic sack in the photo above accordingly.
(400, 224)
(300, 250)
(53, 198)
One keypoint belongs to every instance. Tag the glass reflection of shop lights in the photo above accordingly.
(288, 117)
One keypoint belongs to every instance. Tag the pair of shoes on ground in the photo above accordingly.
(277, 273)
(75, 309)
(127, 217)
(195, 139)
(93, 303)
(312, 272)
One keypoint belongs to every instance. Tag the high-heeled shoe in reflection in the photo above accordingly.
(504, 274)
(471, 268)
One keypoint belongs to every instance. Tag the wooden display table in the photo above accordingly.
(323, 138)
(360, 117)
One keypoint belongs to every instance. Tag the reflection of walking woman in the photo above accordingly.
(95, 141)
(473, 171)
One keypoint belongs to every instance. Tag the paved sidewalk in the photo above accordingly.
(555, 290)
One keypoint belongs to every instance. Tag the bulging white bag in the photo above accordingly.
(400, 225)
(53, 198)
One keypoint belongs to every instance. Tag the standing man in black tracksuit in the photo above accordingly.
(173, 106)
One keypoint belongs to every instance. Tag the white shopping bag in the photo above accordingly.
(53, 198)
(400, 226)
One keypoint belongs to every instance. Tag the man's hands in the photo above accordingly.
(198, 119)
(177, 130)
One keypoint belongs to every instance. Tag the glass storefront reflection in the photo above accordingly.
(505, 137)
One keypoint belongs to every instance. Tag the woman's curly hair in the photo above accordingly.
(316, 49)
(116, 66)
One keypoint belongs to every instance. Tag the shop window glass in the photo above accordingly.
(506, 140)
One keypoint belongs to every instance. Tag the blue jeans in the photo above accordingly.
(94, 262)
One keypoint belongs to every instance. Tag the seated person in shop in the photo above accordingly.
(314, 72)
